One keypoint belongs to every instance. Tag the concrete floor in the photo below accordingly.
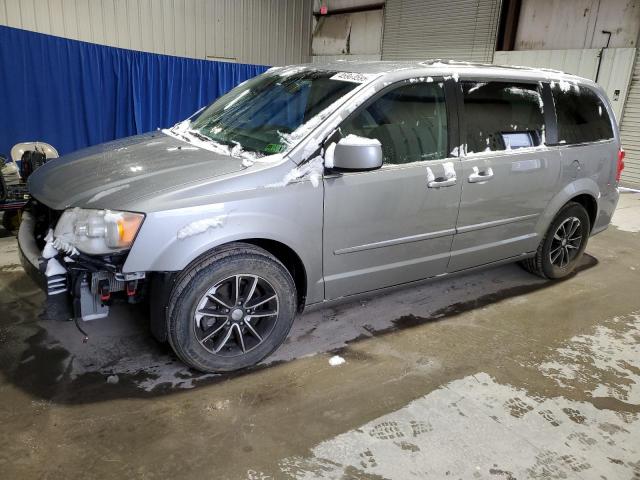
(496, 375)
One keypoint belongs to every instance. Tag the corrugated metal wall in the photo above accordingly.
(577, 24)
(615, 70)
(269, 32)
(348, 36)
(456, 29)
(630, 129)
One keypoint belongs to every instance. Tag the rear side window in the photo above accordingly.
(409, 121)
(502, 116)
(582, 117)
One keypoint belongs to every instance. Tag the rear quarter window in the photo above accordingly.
(582, 116)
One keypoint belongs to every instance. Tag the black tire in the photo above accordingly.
(235, 260)
(541, 264)
(11, 220)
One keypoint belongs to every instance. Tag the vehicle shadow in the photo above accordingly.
(4, 233)
(49, 360)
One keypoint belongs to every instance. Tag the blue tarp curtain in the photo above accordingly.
(73, 94)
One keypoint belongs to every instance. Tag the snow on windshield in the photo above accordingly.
(266, 115)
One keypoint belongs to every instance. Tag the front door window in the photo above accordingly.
(409, 121)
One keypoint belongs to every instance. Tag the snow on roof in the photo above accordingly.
(440, 65)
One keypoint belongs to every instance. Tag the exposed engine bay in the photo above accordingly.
(88, 283)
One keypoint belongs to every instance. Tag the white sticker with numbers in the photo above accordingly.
(354, 77)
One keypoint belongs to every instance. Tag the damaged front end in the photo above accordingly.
(79, 285)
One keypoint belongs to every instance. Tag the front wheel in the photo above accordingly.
(563, 244)
(231, 309)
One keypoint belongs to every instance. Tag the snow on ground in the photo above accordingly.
(336, 360)
(9, 260)
(625, 217)
(503, 430)
(608, 361)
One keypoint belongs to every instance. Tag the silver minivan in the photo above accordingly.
(312, 183)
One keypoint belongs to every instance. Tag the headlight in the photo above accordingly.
(98, 231)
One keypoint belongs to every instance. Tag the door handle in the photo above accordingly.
(448, 182)
(478, 176)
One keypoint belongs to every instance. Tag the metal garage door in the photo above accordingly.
(630, 129)
(457, 29)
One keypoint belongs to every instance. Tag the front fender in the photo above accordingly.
(578, 187)
(292, 214)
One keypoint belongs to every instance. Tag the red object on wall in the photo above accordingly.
(323, 9)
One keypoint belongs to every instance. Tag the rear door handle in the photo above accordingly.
(478, 176)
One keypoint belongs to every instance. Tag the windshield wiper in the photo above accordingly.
(179, 133)
(204, 138)
(223, 146)
(200, 136)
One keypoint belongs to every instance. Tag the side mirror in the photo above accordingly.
(354, 153)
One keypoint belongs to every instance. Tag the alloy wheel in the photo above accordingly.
(236, 315)
(566, 242)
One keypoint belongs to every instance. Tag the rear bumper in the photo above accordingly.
(607, 204)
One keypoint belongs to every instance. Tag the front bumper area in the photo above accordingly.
(29, 253)
(58, 305)
(77, 285)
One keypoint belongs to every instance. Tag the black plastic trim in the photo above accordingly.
(160, 287)
(550, 119)
(28, 251)
(453, 118)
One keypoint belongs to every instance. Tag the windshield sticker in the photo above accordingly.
(353, 77)
(274, 148)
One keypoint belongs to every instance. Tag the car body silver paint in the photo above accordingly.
(291, 215)
(497, 217)
(357, 157)
(126, 170)
(388, 242)
(365, 246)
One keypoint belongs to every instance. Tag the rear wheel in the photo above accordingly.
(563, 245)
(231, 309)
